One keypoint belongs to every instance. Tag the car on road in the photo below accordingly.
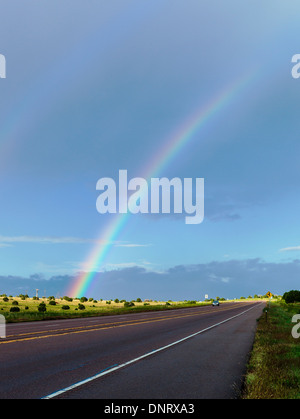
(215, 303)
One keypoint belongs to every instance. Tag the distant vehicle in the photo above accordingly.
(215, 303)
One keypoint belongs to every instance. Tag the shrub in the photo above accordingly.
(15, 303)
(42, 307)
(68, 298)
(14, 309)
(65, 307)
(83, 299)
(5, 299)
(52, 303)
(128, 304)
(292, 296)
(81, 307)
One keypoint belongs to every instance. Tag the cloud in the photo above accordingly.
(133, 245)
(228, 279)
(144, 264)
(290, 249)
(4, 240)
(7, 241)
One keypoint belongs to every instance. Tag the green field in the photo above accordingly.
(274, 366)
(56, 308)
(62, 309)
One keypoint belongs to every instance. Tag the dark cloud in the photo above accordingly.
(229, 279)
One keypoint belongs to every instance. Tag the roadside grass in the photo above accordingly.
(274, 365)
(29, 308)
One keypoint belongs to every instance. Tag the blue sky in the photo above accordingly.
(92, 89)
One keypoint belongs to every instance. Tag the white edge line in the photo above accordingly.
(110, 370)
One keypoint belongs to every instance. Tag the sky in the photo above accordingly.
(190, 89)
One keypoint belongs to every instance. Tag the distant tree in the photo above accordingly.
(292, 296)
(14, 309)
(128, 304)
(81, 307)
(83, 299)
(42, 307)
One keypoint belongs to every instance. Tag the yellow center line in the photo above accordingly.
(70, 331)
(109, 324)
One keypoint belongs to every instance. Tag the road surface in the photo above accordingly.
(194, 353)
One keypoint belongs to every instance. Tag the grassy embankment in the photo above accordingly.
(29, 308)
(274, 365)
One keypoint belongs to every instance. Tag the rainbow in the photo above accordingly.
(171, 147)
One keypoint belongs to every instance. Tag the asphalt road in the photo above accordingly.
(196, 353)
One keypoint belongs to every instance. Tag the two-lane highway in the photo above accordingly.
(188, 353)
